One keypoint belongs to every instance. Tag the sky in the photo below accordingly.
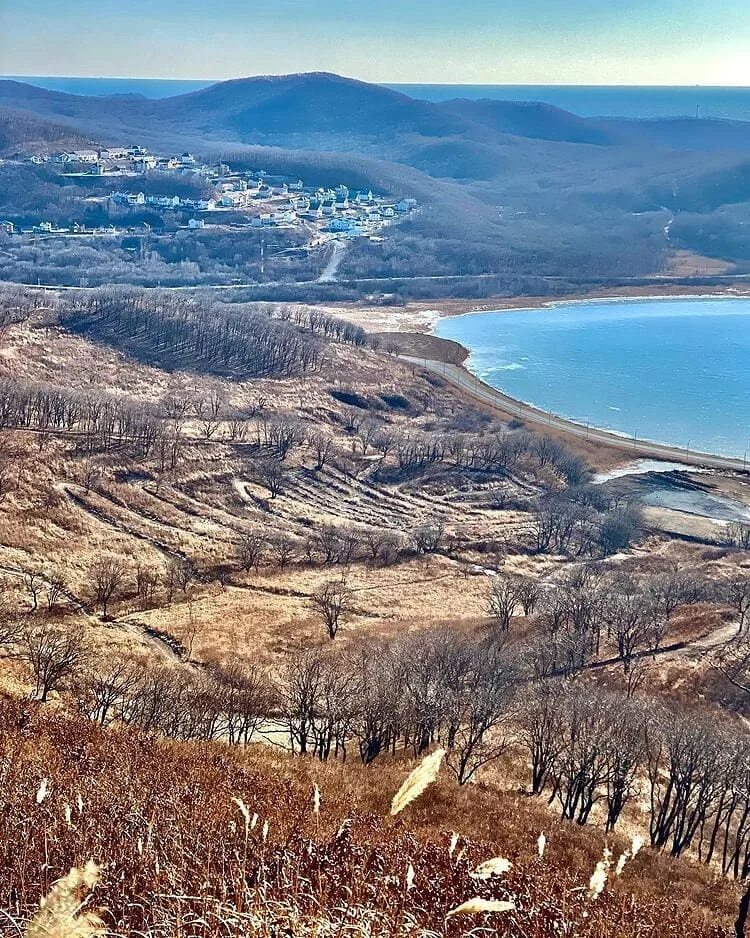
(632, 42)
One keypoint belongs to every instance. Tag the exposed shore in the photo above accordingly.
(420, 316)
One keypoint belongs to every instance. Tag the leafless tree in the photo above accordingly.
(283, 550)
(333, 603)
(104, 684)
(252, 548)
(209, 411)
(736, 593)
(322, 445)
(106, 576)
(53, 653)
(428, 537)
(146, 585)
(506, 597)
(270, 474)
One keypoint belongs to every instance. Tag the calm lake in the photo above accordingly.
(674, 371)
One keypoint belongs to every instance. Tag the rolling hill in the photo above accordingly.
(506, 188)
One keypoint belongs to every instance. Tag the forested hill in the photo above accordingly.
(507, 189)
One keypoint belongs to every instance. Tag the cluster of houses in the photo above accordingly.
(121, 161)
(273, 201)
(256, 199)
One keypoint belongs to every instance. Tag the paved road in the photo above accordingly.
(661, 280)
(331, 269)
(471, 385)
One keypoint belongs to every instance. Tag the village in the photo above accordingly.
(230, 199)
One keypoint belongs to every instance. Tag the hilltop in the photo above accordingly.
(530, 197)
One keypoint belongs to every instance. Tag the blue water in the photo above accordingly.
(584, 100)
(605, 100)
(674, 371)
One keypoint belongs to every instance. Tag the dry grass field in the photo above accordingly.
(191, 526)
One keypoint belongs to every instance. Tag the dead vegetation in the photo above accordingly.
(334, 554)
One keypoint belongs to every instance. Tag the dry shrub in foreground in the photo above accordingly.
(200, 840)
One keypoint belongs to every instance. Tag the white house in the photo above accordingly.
(144, 164)
(341, 224)
(406, 205)
(233, 199)
(196, 223)
(85, 156)
(113, 153)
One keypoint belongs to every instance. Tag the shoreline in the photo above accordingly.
(477, 389)
(457, 372)
(421, 316)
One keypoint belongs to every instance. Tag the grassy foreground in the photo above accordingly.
(195, 839)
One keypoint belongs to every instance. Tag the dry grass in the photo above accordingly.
(229, 843)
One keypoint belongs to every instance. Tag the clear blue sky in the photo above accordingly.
(680, 42)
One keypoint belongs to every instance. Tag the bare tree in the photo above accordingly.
(736, 593)
(333, 603)
(209, 411)
(146, 585)
(53, 654)
(270, 474)
(506, 596)
(283, 549)
(106, 576)
(104, 684)
(252, 549)
(322, 445)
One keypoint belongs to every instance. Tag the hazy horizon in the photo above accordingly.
(387, 82)
(640, 43)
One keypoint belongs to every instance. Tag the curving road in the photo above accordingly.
(473, 387)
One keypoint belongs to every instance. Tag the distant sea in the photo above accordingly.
(584, 100)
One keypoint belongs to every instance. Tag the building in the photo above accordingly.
(144, 164)
(233, 199)
(113, 153)
(406, 205)
(83, 156)
(341, 224)
(196, 223)
(8, 227)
